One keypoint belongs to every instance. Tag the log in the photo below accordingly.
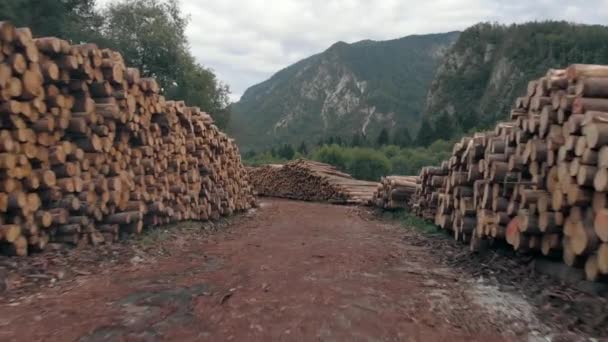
(596, 134)
(548, 187)
(550, 244)
(592, 87)
(592, 270)
(76, 137)
(314, 181)
(583, 239)
(600, 224)
(600, 181)
(550, 222)
(10, 232)
(602, 258)
(528, 222)
(124, 217)
(577, 71)
(570, 258)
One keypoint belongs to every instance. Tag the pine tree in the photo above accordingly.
(426, 134)
(303, 149)
(356, 140)
(383, 138)
(286, 152)
(444, 127)
(402, 137)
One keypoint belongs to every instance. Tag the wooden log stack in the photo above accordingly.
(539, 181)
(89, 149)
(308, 180)
(395, 192)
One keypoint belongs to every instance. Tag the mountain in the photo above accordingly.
(490, 65)
(346, 90)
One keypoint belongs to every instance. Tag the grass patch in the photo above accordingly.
(154, 236)
(409, 220)
(151, 236)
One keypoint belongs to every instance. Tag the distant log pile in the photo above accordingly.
(89, 149)
(310, 181)
(539, 181)
(395, 192)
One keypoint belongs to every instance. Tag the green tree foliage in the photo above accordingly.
(410, 160)
(402, 137)
(331, 154)
(390, 150)
(303, 148)
(368, 164)
(358, 139)
(364, 162)
(286, 152)
(75, 20)
(339, 141)
(151, 36)
(426, 135)
(371, 164)
(491, 64)
(199, 86)
(444, 127)
(383, 138)
(253, 159)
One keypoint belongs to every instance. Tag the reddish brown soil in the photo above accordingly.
(290, 271)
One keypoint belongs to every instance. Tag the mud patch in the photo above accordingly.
(147, 314)
(510, 311)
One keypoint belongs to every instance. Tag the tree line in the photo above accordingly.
(363, 158)
(150, 34)
(441, 129)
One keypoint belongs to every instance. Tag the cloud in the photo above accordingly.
(245, 42)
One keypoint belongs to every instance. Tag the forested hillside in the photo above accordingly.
(491, 64)
(348, 90)
(473, 87)
(149, 33)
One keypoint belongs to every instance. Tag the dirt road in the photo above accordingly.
(290, 271)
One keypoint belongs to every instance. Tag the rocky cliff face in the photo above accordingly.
(470, 78)
(490, 65)
(348, 89)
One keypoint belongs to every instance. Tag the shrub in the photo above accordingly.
(253, 159)
(368, 164)
(333, 155)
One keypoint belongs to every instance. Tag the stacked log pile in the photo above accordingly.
(539, 181)
(89, 149)
(307, 180)
(395, 192)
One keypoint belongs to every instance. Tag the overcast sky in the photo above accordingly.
(246, 41)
